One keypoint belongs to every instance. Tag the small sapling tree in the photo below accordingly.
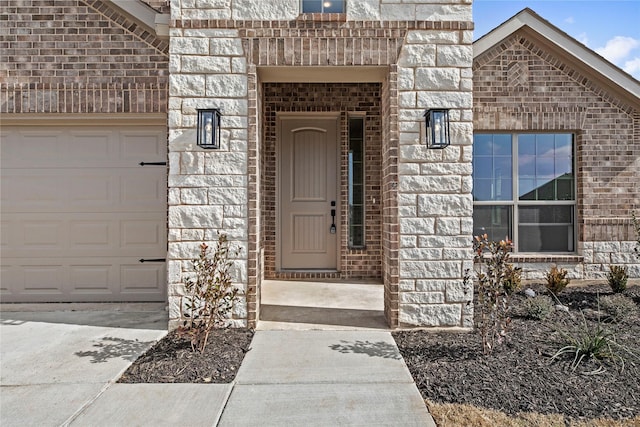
(210, 296)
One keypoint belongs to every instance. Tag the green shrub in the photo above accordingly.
(617, 306)
(556, 280)
(617, 278)
(210, 298)
(538, 307)
(590, 343)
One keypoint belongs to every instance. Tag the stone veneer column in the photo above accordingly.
(208, 189)
(435, 205)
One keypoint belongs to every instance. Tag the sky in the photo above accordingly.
(609, 27)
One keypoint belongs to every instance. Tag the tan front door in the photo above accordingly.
(308, 193)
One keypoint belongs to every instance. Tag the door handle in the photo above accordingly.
(332, 229)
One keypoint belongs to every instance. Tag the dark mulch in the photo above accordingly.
(171, 359)
(520, 375)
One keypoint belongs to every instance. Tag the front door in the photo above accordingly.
(308, 204)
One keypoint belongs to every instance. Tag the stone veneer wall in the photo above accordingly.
(74, 56)
(345, 98)
(216, 50)
(518, 86)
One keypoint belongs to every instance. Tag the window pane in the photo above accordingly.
(545, 145)
(527, 165)
(323, 6)
(545, 238)
(527, 188)
(546, 189)
(492, 167)
(564, 189)
(502, 144)
(526, 144)
(545, 229)
(495, 221)
(333, 6)
(482, 167)
(311, 6)
(482, 145)
(552, 161)
(356, 182)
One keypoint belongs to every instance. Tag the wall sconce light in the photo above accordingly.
(437, 125)
(209, 128)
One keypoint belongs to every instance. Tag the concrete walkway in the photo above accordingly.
(60, 368)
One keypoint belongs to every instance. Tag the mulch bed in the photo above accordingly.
(520, 376)
(171, 360)
(450, 367)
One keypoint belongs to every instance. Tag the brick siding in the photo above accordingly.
(519, 86)
(73, 56)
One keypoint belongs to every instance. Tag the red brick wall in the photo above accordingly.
(520, 86)
(78, 57)
(326, 97)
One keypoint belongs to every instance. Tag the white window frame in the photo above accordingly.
(515, 203)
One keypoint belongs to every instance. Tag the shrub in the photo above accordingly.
(590, 343)
(209, 298)
(556, 280)
(494, 289)
(512, 279)
(617, 278)
(617, 306)
(538, 307)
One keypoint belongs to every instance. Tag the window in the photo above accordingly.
(356, 182)
(524, 188)
(323, 6)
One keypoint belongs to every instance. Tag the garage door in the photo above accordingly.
(79, 213)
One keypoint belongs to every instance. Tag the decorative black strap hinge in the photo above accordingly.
(153, 163)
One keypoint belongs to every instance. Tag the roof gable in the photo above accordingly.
(578, 55)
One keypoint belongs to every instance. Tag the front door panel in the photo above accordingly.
(308, 181)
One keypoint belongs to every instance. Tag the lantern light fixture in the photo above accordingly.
(209, 128)
(437, 127)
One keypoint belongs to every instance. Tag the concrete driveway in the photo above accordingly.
(56, 359)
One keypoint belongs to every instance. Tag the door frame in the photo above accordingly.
(280, 116)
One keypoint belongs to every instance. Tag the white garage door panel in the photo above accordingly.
(64, 279)
(77, 235)
(100, 148)
(83, 190)
(79, 212)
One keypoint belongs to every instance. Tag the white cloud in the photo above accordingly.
(633, 67)
(618, 48)
(582, 38)
(570, 20)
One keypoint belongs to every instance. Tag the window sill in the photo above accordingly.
(323, 17)
(542, 258)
